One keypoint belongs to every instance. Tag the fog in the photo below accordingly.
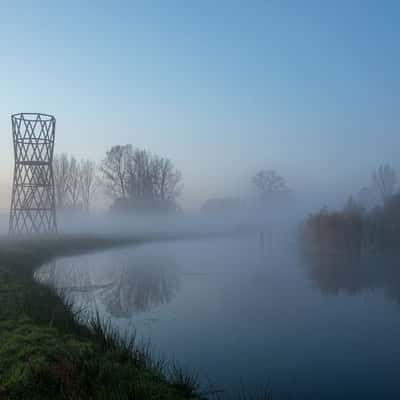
(246, 161)
(250, 216)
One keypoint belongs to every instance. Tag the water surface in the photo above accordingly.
(245, 314)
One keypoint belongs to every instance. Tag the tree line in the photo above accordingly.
(369, 222)
(75, 182)
(134, 179)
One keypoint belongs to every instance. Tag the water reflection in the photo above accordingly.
(251, 306)
(139, 287)
(122, 282)
(334, 273)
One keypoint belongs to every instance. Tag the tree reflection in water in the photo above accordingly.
(145, 283)
(334, 273)
(123, 283)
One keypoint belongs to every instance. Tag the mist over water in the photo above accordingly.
(241, 220)
(247, 311)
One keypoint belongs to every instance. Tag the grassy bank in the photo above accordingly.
(45, 353)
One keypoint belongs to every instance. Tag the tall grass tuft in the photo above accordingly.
(183, 380)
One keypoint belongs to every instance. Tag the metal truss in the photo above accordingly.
(33, 208)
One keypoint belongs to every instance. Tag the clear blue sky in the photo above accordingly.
(223, 88)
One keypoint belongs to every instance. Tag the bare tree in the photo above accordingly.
(141, 175)
(74, 182)
(139, 179)
(115, 169)
(61, 179)
(153, 180)
(385, 180)
(88, 182)
(167, 185)
(268, 181)
(74, 186)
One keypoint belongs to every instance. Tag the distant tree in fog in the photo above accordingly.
(138, 179)
(268, 181)
(61, 179)
(168, 180)
(385, 180)
(74, 188)
(74, 182)
(88, 182)
(115, 170)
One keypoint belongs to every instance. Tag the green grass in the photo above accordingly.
(46, 353)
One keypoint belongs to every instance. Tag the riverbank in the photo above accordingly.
(46, 353)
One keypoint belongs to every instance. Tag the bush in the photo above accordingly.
(354, 230)
(334, 232)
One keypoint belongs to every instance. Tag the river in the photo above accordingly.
(249, 313)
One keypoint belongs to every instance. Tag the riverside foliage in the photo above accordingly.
(354, 230)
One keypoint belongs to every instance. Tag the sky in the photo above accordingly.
(223, 88)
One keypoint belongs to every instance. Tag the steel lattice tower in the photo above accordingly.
(33, 208)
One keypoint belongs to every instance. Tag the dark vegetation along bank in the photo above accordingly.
(355, 231)
(355, 249)
(46, 353)
(368, 224)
